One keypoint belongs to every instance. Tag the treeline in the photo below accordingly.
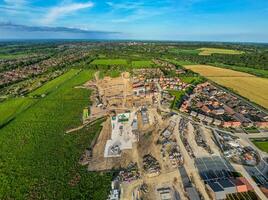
(251, 60)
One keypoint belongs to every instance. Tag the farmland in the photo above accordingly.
(141, 63)
(38, 160)
(247, 85)
(210, 51)
(257, 72)
(186, 51)
(12, 107)
(55, 83)
(12, 56)
(109, 62)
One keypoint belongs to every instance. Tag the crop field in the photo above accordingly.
(257, 72)
(51, 85)
(261, 144)
(249, 86)
(13, 56)
(185, 51)
(141, 63)
(39, 160)
(12, 107)
(109, 62)
(209, 51)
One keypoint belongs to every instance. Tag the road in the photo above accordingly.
(189, 165)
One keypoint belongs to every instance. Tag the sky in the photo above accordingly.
(182, 20)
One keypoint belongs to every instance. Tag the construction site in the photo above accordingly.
(154, 152)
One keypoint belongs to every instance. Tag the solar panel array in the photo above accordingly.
(259, 172)
(212, 162)
(213, 168)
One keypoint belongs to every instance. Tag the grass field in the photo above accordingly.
(262, 145)
(109, 62)
(40, 161)
(185, 51)
(12, 107)
(251, 87)
(13, 56)
(209, 51)
(141, 63)
(51, 85)
(178, 96)
(112, 73)
(194, 80)
(181, 63)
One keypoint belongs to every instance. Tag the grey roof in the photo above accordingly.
(215, 186)
(225, 183)
(192, 193)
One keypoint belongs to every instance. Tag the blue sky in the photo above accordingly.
(198, 20)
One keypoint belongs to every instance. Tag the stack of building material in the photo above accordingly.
(200, 140)
(129, 174)
(175, 157)
(151, 165)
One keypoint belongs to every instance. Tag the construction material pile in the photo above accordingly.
(187, 146)
(175, 157)
(171, 148)
(129, 174)
(183, 131)
(151, 165)
(200, 140)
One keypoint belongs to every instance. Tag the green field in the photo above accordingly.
(12, 107)
(13, 56)
(109, 62)
(141, 63)
(179, 63)
(185, 51)
(112, 73)
(194, 80)
(261, 144)
(178, 97)
(52, 85)
(209, 51)
(39, 160)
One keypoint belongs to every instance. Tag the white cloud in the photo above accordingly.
(59, 11)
